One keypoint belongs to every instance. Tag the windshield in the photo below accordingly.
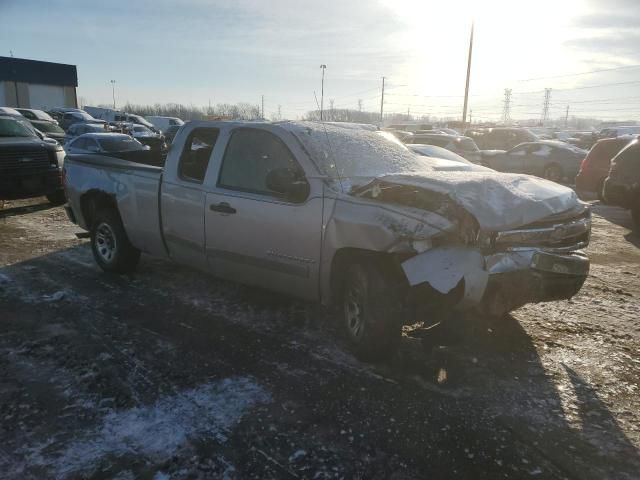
(467, 145)
(13, 128)
(48, 127)
(349, 153)
(140, 120)
(120, 143)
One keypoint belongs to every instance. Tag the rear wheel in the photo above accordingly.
(553, 172)
(371, 313)
(110, 244)
(57, 198)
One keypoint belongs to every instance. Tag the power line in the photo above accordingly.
(579, 74)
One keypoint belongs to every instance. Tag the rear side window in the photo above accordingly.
(467, 145)
(627, 162)
(250, 155)
(197, 153)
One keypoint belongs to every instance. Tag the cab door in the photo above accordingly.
(254, 234)
(183, 199)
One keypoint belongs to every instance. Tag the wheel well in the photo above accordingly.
(389, 263)
(94, 201)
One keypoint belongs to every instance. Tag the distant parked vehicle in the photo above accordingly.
(500, 138)
(10, 111)
(116, 116)
(622, 186)
(103, 143)
(163, 123)
(69, 118)
(170, 133)
(29, 166)
(153, 140)
(613, 132)
(553, 160)
(463, 146)
(595, 167)
(436, 152)
(33, 114)
(78, 129)
(49, 129)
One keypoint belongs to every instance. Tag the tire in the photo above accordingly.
(601, 192)
(57, 198)
(110, 245)
(553, 173)
(635, 215)
(371, 314)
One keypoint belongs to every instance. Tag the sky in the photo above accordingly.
(201, 51)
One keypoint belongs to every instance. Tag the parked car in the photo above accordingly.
(622, 186)
(163, 123)
(78, 129)
(170, 133)
(153, 140)
(10, 111)
(69, 118)
(613, 132)
(33, 114)
(49, 129)
(336, 215)
(550, 159)
(436, 152)
(103, 143)
(112, 116)
(57, 113)
(499, 138)
(29, 167)
(595, 167)
(463, 146)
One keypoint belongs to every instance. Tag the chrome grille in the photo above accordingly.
(23, 161)
(551, 234)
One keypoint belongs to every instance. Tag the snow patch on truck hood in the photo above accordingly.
(498, 201)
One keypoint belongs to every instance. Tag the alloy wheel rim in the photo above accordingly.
(354, 313)
(105, 242)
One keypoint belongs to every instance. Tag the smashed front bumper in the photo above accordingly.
(529, 276)
(498, 282)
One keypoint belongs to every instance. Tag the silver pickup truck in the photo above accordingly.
(337, 214)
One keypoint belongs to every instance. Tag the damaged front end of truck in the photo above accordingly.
(457, 251)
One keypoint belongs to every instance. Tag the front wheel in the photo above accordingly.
(371, 314)
(635, 215)
(111, 247)
(57, 198)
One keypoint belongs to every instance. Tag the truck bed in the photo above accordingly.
(134, 186)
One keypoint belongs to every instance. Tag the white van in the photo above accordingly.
(162, 123)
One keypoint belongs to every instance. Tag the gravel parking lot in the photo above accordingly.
(170, 373)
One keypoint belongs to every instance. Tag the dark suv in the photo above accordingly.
(622, 186)
(29, 167)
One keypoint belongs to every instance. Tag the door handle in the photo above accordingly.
(222, 207)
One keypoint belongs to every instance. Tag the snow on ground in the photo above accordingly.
(157, 431)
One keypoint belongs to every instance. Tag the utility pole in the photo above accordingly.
(545, 106)
(382, 102)
(506, 110)
(466, 88)
(262, 107)
(323, 67)
(359, 104)
(113, 92)
(408, 113)
(566, 118)
(279, 112)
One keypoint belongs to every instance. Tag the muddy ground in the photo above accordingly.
(169, 373)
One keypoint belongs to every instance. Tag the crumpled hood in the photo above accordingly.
(498, 201)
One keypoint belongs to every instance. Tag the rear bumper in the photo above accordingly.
(29, 186)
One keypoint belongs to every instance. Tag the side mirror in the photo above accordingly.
(288, 183)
